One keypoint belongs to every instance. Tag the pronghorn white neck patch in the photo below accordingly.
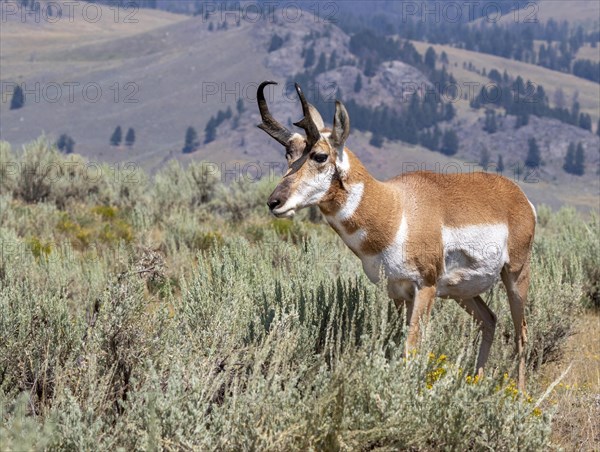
(355, 194)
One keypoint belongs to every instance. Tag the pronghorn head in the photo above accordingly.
(316, 161)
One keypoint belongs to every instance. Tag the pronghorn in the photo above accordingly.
(432, 235)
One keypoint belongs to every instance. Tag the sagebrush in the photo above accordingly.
(172, 313)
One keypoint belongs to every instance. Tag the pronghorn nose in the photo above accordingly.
(272, 203)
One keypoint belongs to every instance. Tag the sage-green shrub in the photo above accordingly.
(213, 327)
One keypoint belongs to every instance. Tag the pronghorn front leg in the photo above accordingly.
(421, 310)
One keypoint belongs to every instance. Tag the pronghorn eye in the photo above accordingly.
(320, 158)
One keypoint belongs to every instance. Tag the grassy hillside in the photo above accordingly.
(165, 68)
(160, 70)
(588, 93)
(174, 313)
(28, 48)
(550, 185)
(587, 52)
(576, 12)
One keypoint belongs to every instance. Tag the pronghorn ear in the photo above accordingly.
(341, 126)
(341, 130)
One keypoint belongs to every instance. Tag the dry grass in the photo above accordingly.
(577, 397)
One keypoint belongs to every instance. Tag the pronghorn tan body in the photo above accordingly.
(449, 236)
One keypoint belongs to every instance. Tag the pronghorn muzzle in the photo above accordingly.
(279, 198)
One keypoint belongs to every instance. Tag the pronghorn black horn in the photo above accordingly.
(269, 124)
(307, 123)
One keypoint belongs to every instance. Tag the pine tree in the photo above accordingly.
(490, 125)
(358, 85)
(18, 99)
(191, 140)
(376, 140)
(579, 167)
(522, 120)
(435, 138)
(240, 106)
(575, 111)
(495, 76)
(449, 142)
(410, 132)
(65, 144)
(430, 58)
(559, 98)
(332, 60)
(61, 142)
(484, 158)
(70, 147)
(500, 165)
(130, 137)
(116, 137)
(414, 109)
(309, 59)
(449, 112)
(321, 65)
(210, 131)
(533, 158)
(369, 68)
(585, 121)
(569, 165)
(444, 57)
(276, 43)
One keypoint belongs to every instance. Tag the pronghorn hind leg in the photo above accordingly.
(517, 283)
(421, 309)
(486, 319)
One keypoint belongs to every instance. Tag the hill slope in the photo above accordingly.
(168, 72)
